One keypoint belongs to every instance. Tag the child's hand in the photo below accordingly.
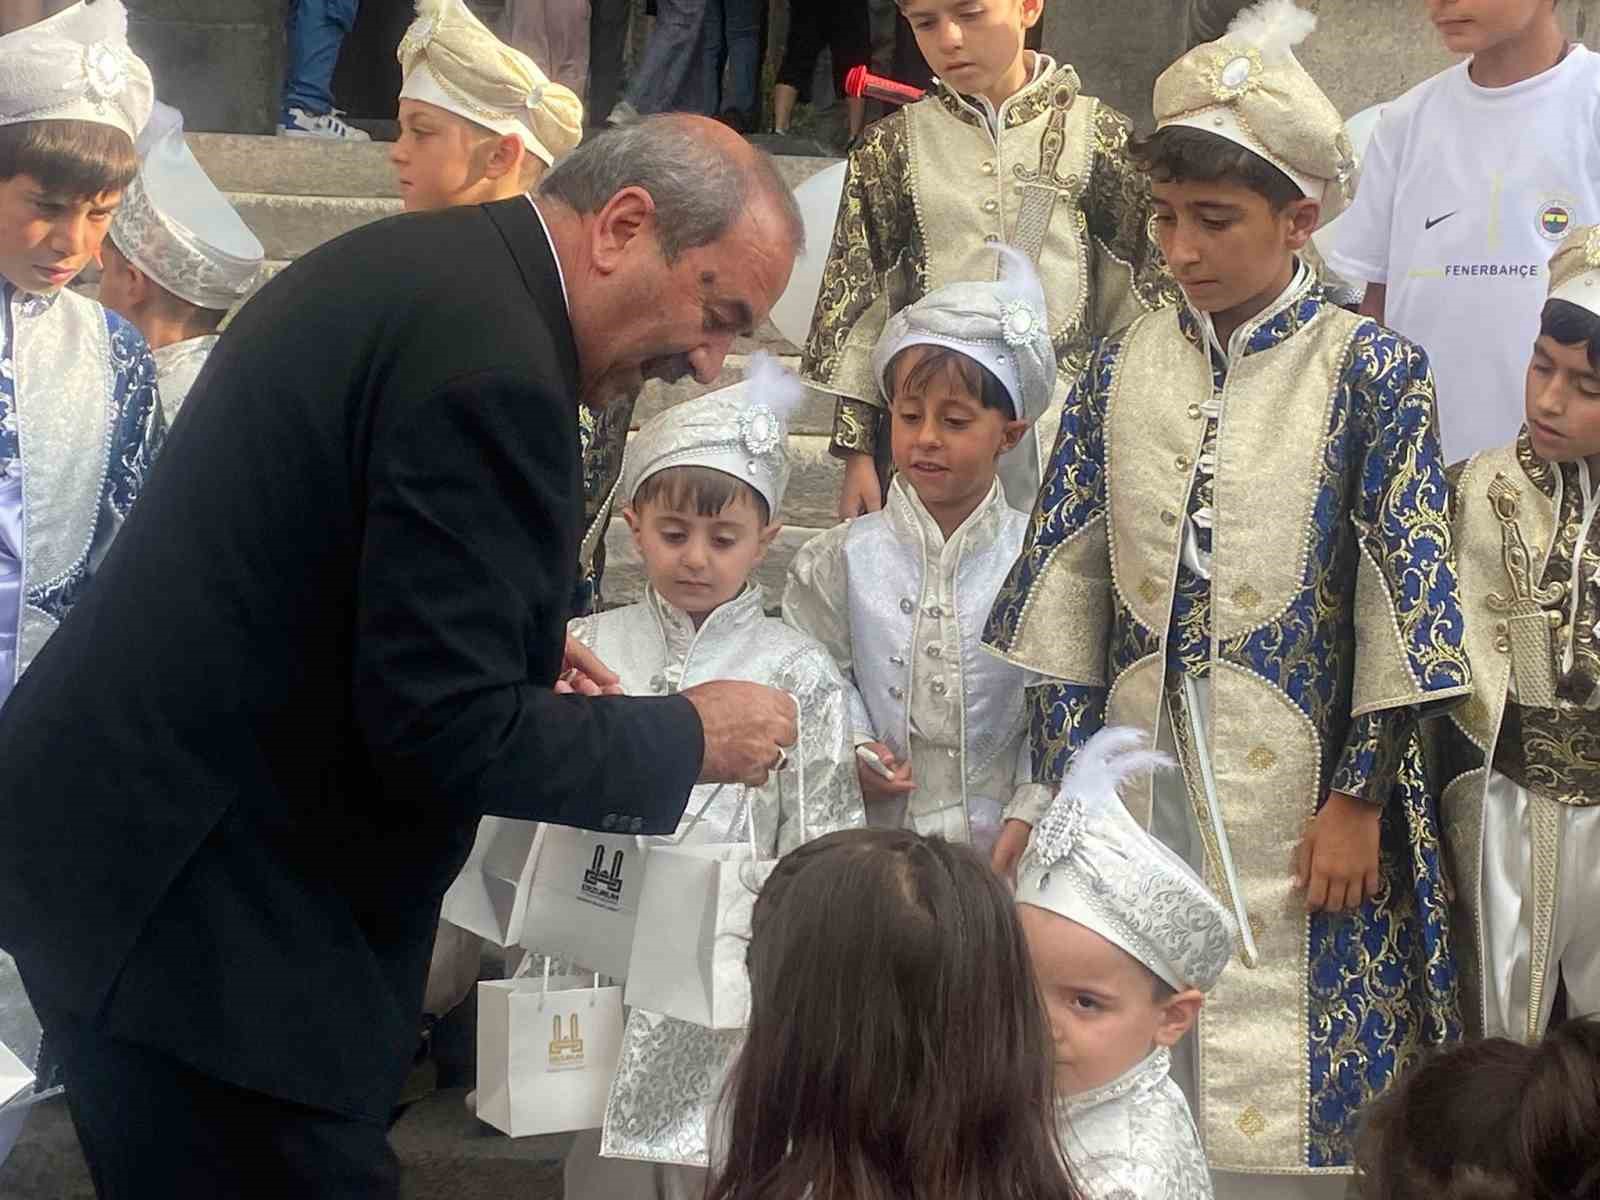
(878, 787)
(859, 493)
(1337, 863)
(1008, 849)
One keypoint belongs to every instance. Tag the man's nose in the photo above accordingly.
(707, 358)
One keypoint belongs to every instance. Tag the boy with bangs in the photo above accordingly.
(1126, 940)
(1522, 760)
(79, 421)
(1005, 150)
(899, 596)
(704, 483)
(1242, 547)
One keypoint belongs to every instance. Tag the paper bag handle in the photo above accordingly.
(545, 989)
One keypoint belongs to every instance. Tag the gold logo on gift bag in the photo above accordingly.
(565, 1051)
(602, 885)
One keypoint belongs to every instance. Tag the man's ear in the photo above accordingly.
(621, 222)
(1303, 216)
(1178, 1016)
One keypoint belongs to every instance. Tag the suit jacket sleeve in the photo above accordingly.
(463, 586)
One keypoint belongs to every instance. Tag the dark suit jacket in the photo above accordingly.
(236, 783)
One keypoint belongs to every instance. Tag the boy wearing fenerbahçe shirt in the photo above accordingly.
(1006, 149)
(1470, 182)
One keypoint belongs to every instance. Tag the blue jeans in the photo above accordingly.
(678, 72)
(736, 24)
(316, 31)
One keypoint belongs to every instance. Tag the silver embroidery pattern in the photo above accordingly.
(1136, 1138)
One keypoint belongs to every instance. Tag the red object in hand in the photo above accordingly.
(858, 82)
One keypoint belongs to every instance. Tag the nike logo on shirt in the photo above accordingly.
(1427, 225)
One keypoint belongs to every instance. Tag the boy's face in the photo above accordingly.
(442, 160)
(1563, 399)
(47, 238)
(698, 563)
(1101, 1001)
(1472, 26)
(1225, 245)
(945, 442)
(973, 45)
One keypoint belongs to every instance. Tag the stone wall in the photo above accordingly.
(219, 61)
(1364, 51)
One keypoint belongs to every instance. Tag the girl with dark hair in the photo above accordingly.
(1491, 1120)
(897, 1049)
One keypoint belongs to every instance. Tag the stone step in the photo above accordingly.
(814, 416)
(239, 162)
(289, 226)
(625, 579)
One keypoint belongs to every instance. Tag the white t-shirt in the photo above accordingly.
(1465, 194)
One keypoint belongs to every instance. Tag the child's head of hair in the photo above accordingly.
(701, 532)
(441, 160)
(1563, 384)
(1490, 1119)
(896, 1046)
(60, 182)
(126, 289)
(974, 46)
(1474, 26)
(1229, 222)
(950, 420)
(1108, 1011)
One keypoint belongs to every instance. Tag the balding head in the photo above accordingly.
(701, 176)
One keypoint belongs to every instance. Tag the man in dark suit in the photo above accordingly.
(236, 783)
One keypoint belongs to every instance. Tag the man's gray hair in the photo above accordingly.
(699, 190)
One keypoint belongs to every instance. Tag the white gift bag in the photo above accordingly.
(583, 897)
(546, 1056)
(490, 895)
(688, 961)
(15, 1078)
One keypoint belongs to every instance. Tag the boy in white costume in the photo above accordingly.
(1126, 940)
(900, 596)
(80, 424)
(1521, 807)
(705, 482)
(178, 257)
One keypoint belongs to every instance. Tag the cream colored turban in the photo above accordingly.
(450, 59)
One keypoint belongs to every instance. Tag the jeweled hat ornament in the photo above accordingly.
(1575, 269)
(176, 227)
(1248, 87)
(451, 60)
(1090, 862)
(741, 430)
(1002, 323)
(76, 66)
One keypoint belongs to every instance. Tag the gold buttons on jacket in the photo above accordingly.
(988, 166)
(1169, 518)
(1183, 462)
(991, 206)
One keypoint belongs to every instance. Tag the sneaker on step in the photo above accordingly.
(297, 122)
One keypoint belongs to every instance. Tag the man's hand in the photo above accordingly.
(860, 492)
(583, 674)
(747, 728)
(1337, 863)
(1008, 849)
(884, 787)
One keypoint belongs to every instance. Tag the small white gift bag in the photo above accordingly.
(15, 1080)
(688, 959)
(490, 895)
(583, 897)
(546, 1055)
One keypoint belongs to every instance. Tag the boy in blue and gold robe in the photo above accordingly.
(1241, 543)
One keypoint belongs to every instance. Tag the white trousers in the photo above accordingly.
(1506, 909)
(587, 1176)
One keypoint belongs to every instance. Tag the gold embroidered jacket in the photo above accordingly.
(931, 189)
(1529, 558)
(1325, 621)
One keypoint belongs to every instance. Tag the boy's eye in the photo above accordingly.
(1086, 1003)
(726, 543)
(1163, 218)
(673, 536)
(1214, 224)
